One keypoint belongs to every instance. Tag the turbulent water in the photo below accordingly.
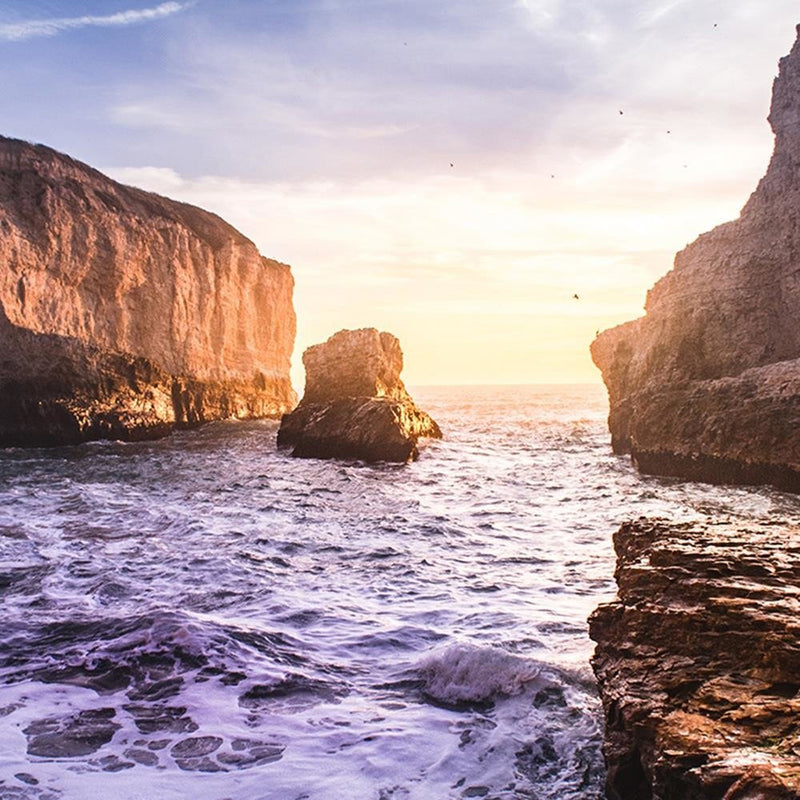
(204, 617)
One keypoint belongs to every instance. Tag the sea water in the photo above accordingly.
(206, 617)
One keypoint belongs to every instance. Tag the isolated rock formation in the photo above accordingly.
(355, 406)
(706, 384)
(124, 314)
(698, 662)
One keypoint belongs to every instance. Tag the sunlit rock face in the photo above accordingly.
(124, 314)
(706, 384)
(360, 363)
(355, 405)
(698, 662)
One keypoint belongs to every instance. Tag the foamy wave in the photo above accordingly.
(465, 673)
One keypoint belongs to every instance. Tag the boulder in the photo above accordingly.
(698, 662)
(705, 385)
(124, 314)
(355, 405)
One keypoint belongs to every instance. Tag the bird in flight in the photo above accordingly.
(575, 297)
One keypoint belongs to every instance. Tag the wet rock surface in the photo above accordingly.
(355, 405)
(706, 384)
(698, 662)
(124, 315)
(138, 723)
(93, 732)
(74, 735)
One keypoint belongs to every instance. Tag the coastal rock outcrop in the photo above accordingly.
(124, 314)
(355, 405)
(706, 384)
(698, 662)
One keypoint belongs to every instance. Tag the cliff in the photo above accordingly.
(355, 405)
(705, 385)
(698, 662)
(124, 314)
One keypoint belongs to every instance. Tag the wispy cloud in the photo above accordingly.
(28, 29)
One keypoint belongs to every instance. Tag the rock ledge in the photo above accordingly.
(698, 662)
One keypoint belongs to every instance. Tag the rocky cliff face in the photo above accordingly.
(698, 662)
(355, 405)
(705, 385)
(359, 363)
(124, 314)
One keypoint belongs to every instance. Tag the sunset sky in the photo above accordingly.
(451, 171)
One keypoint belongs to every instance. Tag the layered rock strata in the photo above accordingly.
(705, 385)
(698, 662)
(124, 314)
(355, 405)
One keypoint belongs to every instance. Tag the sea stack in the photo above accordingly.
(707, 384)
(698, 662)
(355, 406)
(124, 314)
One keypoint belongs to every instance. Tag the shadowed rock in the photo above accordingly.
(698, 662)
(124, 314)
(707, 384)
(355, 406)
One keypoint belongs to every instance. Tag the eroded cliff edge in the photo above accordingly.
(707, 384)
(124, 314)
(698, 662)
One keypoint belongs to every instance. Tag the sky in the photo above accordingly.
(454, 172)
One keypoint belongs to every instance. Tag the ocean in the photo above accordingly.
(205, 617)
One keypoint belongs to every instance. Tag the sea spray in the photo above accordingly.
(464, 673)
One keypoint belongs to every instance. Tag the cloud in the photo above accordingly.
(28, 29)
(311, 89)
(446, 261)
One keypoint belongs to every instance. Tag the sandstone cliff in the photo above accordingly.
(355, 405)
(698, 662)
(705, 385)
(124, 314)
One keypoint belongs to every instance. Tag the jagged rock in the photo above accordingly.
(705, 385)
(355, 406)
(124, 314)
(698, 662)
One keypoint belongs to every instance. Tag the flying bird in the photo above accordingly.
(575, 297)
(620, 112)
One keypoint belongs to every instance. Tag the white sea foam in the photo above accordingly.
(316, 629)
(466, 673)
